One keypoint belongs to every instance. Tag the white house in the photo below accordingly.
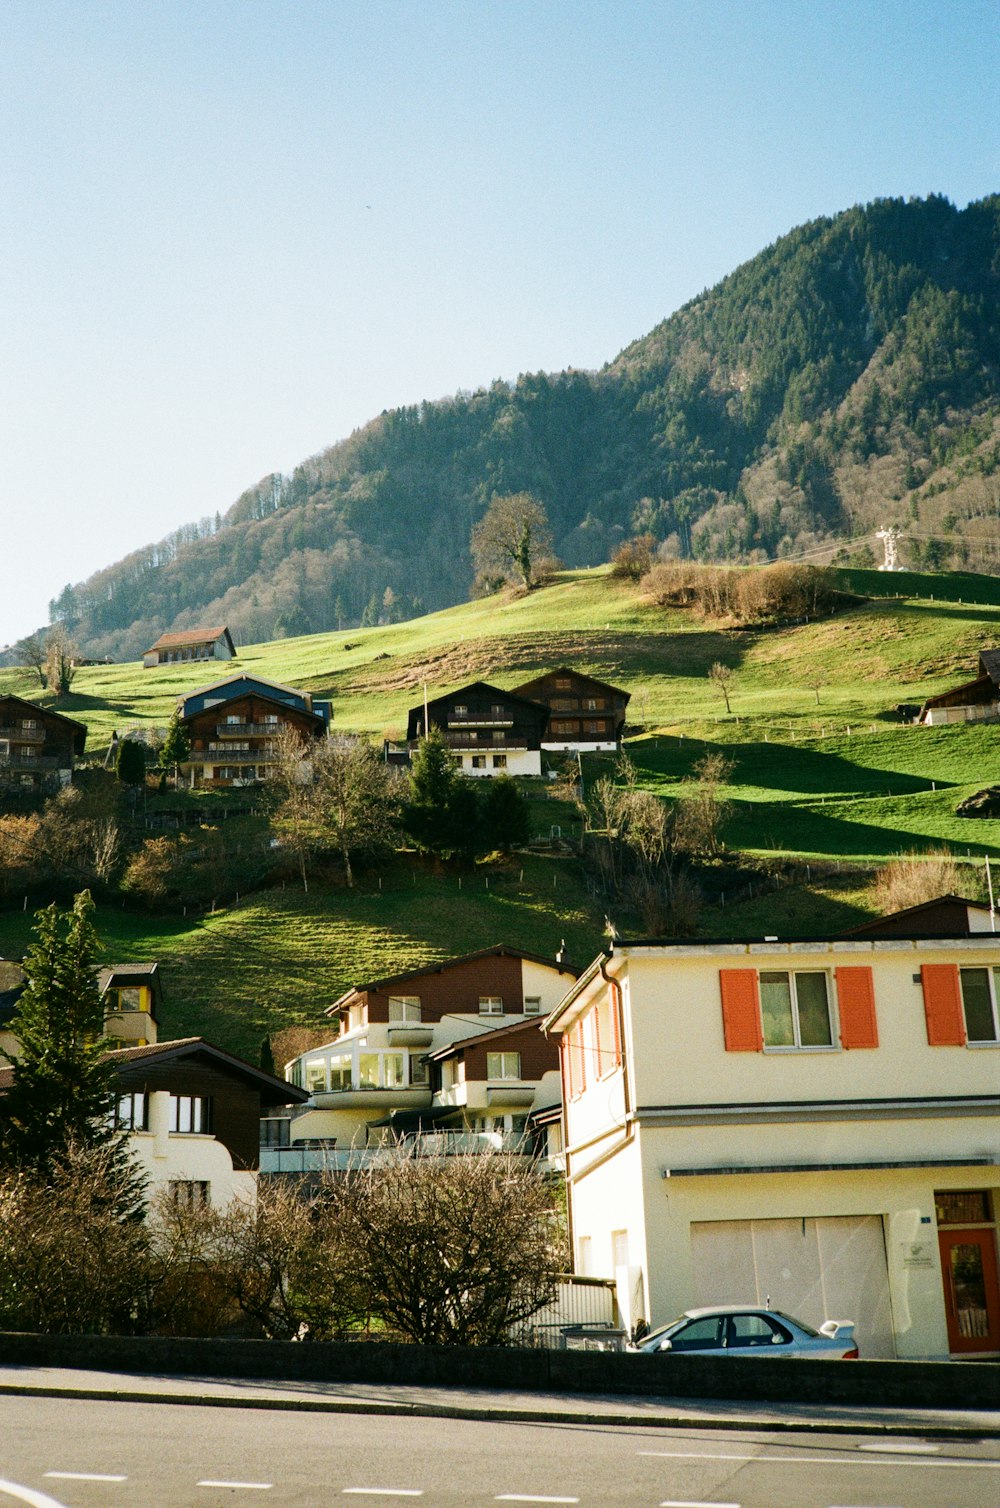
(811, 1123)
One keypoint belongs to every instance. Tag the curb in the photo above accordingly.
(505, 1415)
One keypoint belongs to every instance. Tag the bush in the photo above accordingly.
(760, 594)
(915, 878)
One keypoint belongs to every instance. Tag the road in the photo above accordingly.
(83, 1453)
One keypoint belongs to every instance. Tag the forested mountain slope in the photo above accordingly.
(846, 377)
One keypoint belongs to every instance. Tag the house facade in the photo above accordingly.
(38, 747)
(585, 714)
(190, 644)
(233, 724)
(811, 1124)
(452, 1053)
(489, 731)
(975, 701)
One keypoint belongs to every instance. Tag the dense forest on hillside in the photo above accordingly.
(845, 378)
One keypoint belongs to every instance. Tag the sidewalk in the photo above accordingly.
(358, 1398)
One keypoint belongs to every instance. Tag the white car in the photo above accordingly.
(745, 1330)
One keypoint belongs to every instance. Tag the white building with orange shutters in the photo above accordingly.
(814, 1124)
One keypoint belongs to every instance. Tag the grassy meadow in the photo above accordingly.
(823, 775)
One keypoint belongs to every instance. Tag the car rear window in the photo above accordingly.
(801, 1323)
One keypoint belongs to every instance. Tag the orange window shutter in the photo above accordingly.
(741, 1010)
(856, 1001)
(943, 1005)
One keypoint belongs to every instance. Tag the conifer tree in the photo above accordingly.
(65, 1090)
(177, 744)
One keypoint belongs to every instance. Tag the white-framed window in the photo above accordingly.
(190, 1114)
(532, 1005)
(795, 1008)
(503, 1065)
(130, 1112)
(980, 997)
(419, 1070)
(29, 724)
(341, 1070)
(315, 1075)
(491, 1005)
(460, 709)
(404, 1009)
(499, 761)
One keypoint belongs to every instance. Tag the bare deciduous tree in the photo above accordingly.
(722, 676)
(699, 815)
(510, 539)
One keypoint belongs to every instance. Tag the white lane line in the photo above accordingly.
(523, 1497)
(84, 1476)
(386, 1492)
(956, 1464)
(904, 1449)
(695, 1503)
(241, 1486)
(27, 1495)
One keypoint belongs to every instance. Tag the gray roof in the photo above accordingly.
(989, 664)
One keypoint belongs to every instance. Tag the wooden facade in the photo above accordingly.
(489, 731)
(190, 644)
(455, 988)
(975, 701)
(38, 747)
(233, 726)
(583, 712)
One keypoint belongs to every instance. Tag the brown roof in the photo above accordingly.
(480, 1037)
(499, 950)
(184, 636)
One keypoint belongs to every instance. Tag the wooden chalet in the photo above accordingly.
(190, 644)
(38, 747)
(585, 714)
(975, 701)
(489, 731)
(232, 726)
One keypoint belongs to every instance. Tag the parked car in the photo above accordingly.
(738, 1330)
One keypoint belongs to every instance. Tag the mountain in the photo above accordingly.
(845, 378)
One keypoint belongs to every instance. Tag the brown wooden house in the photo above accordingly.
(585, 714)
(489, 731)
(974, 701)
(38, 747)
(187, 644)
(233, 725)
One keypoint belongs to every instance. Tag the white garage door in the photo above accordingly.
(833, 1267)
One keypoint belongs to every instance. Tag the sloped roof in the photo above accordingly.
(34, 710)
(185, 636)
(498, 950)
(527, 688)
(492, 1034)
(273, 1091)
(989, 664)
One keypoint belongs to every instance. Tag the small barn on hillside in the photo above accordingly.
(975, 701)
(190, 644)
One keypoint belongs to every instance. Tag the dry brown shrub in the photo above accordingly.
(915, 878)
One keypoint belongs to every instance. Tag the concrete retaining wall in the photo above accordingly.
(900, 1384)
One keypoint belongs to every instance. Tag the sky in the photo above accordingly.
(233, 232)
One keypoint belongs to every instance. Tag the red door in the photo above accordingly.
(971, 1290)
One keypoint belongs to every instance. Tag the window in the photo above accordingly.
(491, 1005)
(461, 709)
(393, 1070)
(130, 1113)
(479, 761)
(496, 710)
(980, 989)
(503, 1065)
(967, 1208)
(755, 1330)
(368, 1070)
(315, 1074)
(606, 1033)
(341, 1071)
(190, 1114)
(532, 1005)
(29, 724)
(499, 761)
(233, 717)
(795, 1009)
(419, 1070)
(189, 1193)
(128, 998)
(404, 1008)
(563, 683)
(700, 1335)
(574, 1050)
(498, 738)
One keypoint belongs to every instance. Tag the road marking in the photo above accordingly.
(904, 1449)
(523, 1497)
(244, 1486)
(817, 1460)
(26, 1495)
(386, 1492)
(695, 1503)
(84, 1476)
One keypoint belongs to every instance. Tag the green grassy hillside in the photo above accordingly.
(821, 775)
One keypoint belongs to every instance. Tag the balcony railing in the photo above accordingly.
(248, 730)
(34, 762)
(223, 754)
(19, 735)
(483, 746)
(474, 720)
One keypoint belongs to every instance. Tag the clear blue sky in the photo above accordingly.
(234, 230)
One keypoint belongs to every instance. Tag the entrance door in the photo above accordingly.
(971, 1290)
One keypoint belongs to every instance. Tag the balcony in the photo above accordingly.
(19, 735)
(222, 754)
(34, 762)
(484, 745)
(513, 1095)
(410, 1034)
(248, 730)
(473, 720)
(418, 1098)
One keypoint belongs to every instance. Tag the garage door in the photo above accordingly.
(833, 1267)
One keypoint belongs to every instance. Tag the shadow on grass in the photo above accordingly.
(801, 829)
(776, 766)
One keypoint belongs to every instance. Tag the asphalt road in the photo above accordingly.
(81, 1453)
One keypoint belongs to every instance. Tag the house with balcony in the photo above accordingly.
(233, 726)
(808, 1123)
(190, 644)
(585, 715)
(489, 731)
(38, 747)
(452, 1054)
(975, 701)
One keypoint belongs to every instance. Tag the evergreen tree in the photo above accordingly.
(176, 745)
(130, 762)
(64, 1090)
(504, 819)
(441, 815)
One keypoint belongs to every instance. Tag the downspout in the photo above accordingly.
(620, 1019)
